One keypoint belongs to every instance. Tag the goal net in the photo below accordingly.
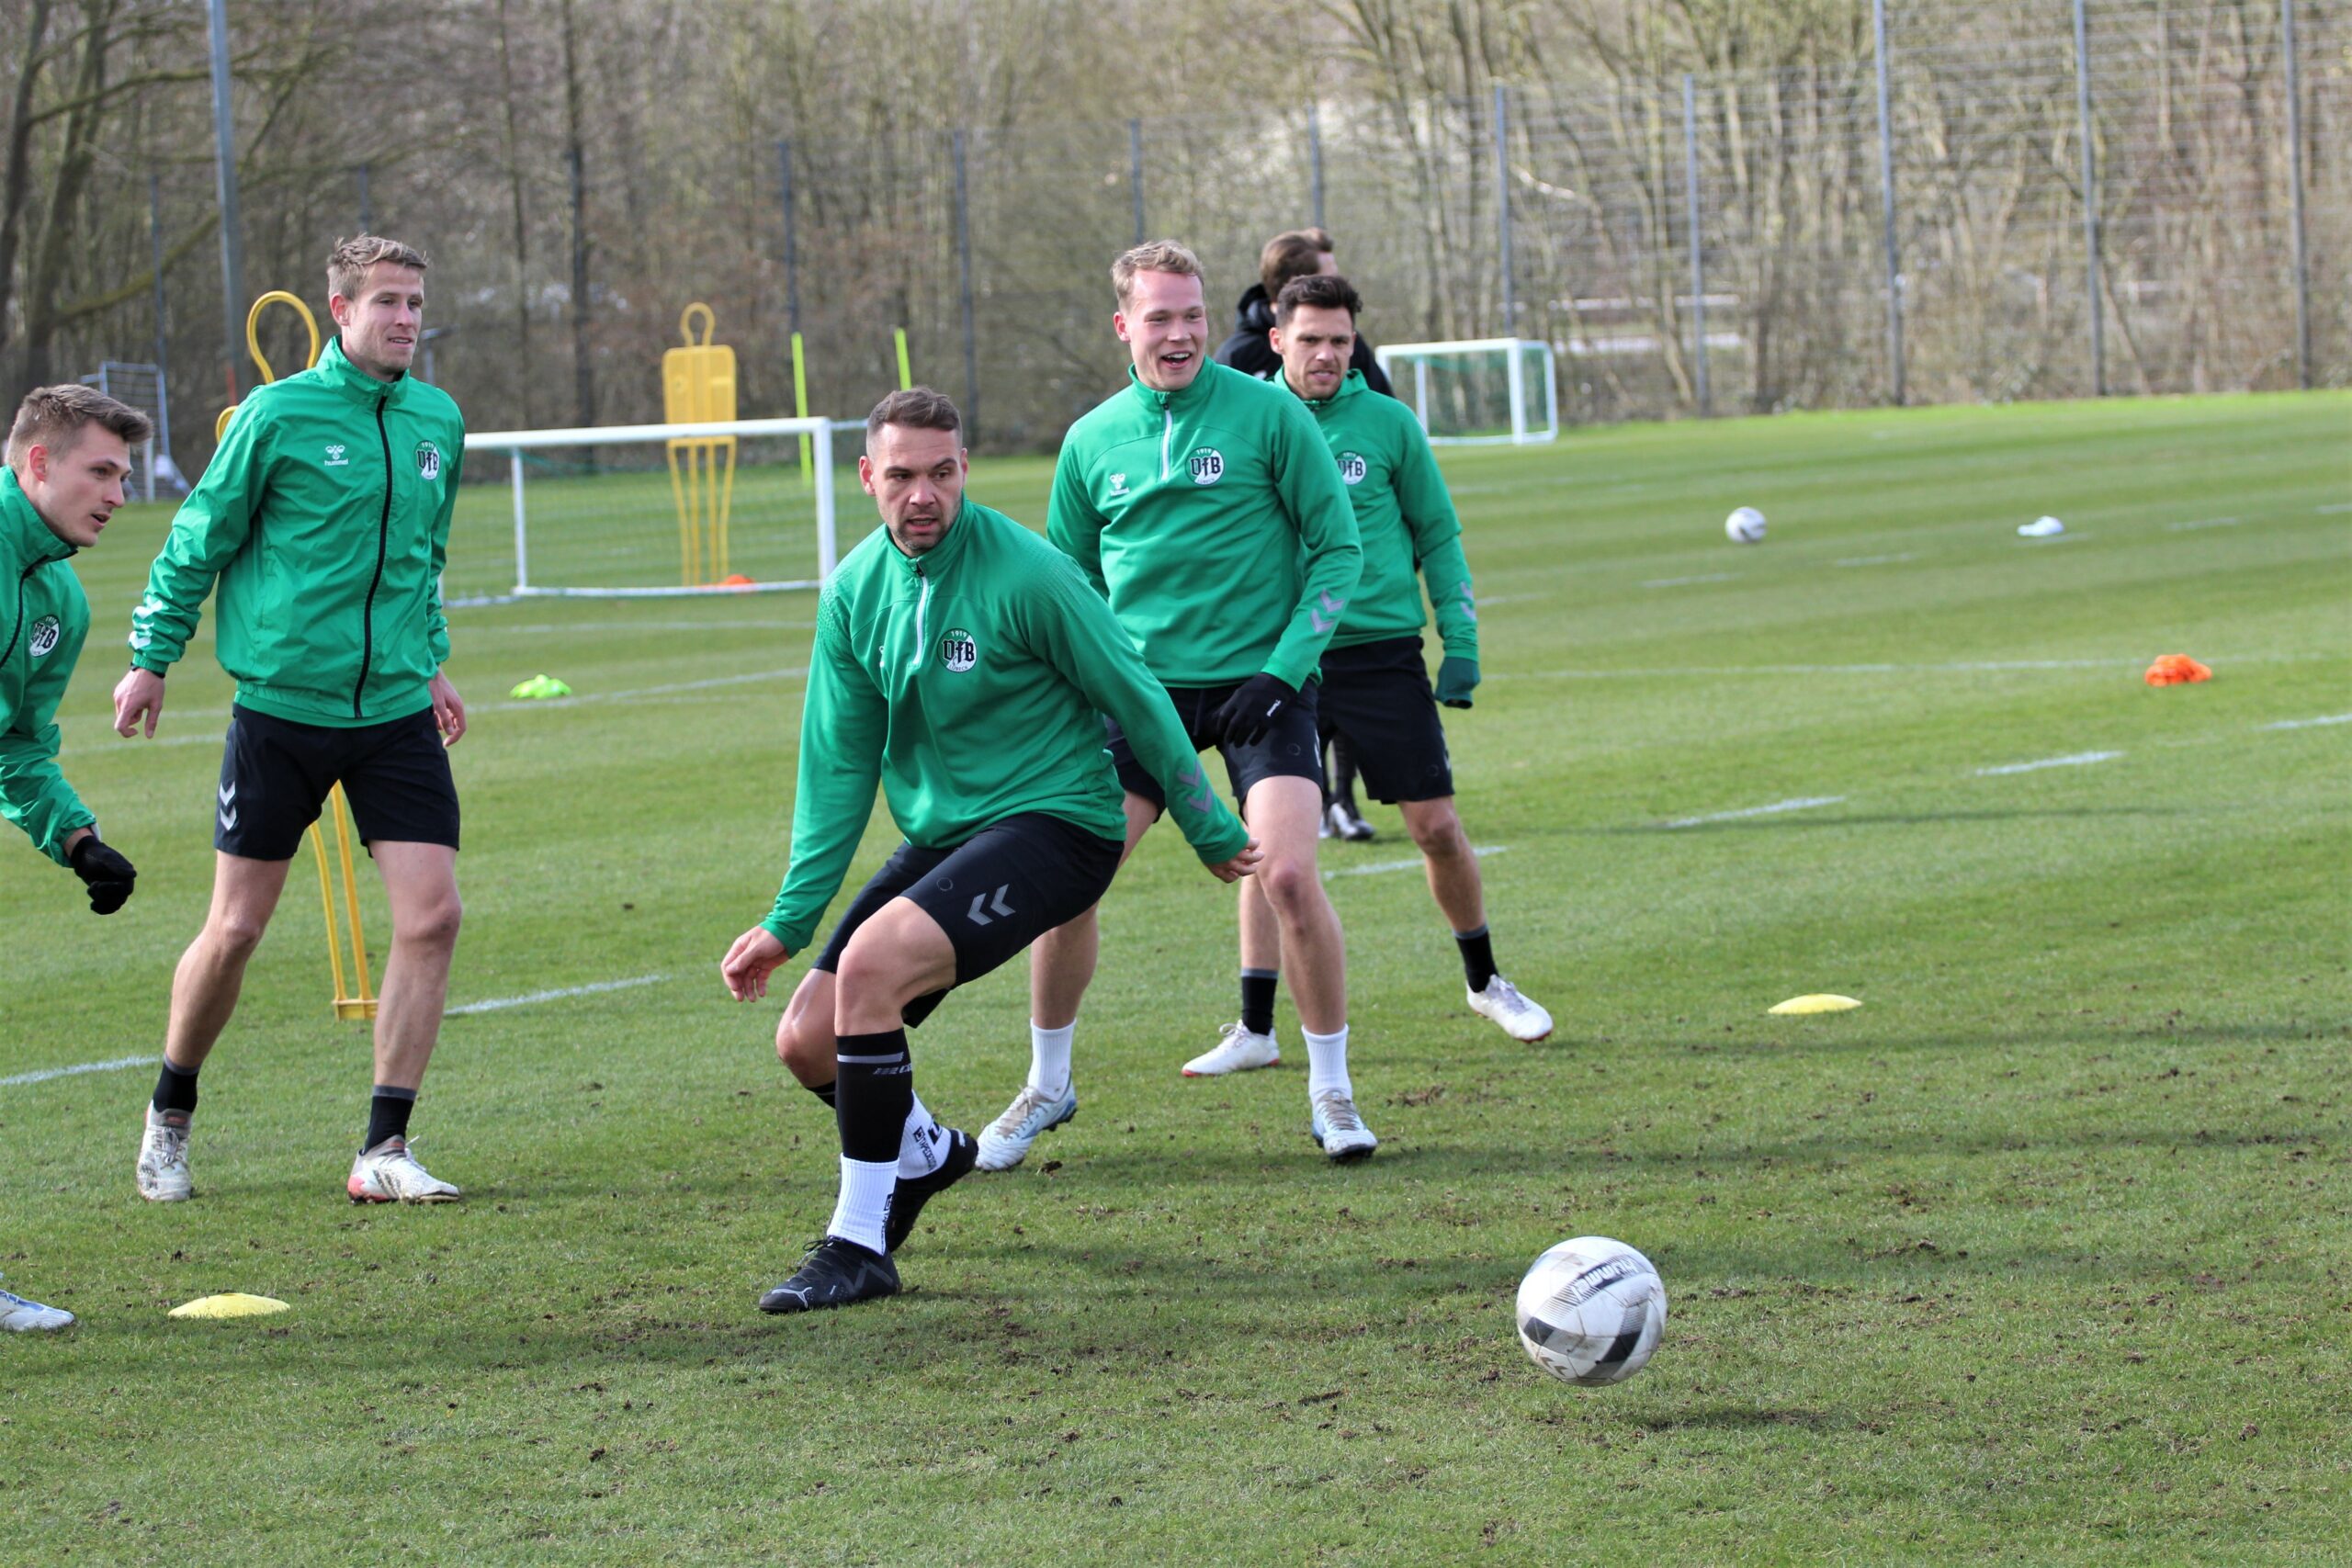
(1478, 392)
(642, 511)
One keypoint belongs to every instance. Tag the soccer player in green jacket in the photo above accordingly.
(69, 451)
(1203, 503)
(964, 664)
(324, 520)
(1376, 691)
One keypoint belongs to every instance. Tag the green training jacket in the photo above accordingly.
(1405, 519)
(325, 517)
(1215, 524)
(44, 618)
(970, 682)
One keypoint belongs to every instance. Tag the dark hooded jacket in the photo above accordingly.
(1248, 352)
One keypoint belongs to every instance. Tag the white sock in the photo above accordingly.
(1049, 1058)
(924, 1143)
(865, 1202)
(1327, 1063)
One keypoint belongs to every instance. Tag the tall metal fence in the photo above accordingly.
(2126, 195)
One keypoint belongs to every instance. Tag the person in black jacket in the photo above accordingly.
(1301, 252)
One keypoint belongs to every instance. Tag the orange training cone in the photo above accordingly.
(2178, 669)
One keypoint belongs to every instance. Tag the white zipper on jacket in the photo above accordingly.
(922, 606)
(1167, 435)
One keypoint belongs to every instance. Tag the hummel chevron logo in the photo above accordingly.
(995, 903)
(1328, 616)
(228, 809)
(1191, 778)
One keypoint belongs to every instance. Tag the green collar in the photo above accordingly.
(1155, 399)
(1349, 385)
(335, 368)
(26, 538)
(935, 560)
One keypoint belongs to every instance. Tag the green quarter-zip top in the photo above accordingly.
(44, 618)
(1405, 520)
(1213, 520)
(969, 683)
(325, 517)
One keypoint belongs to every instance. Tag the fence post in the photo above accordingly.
(583, 369)
(1697, 246)
(367, 206)
(791, 236)
(2295, 175)
(163, 361)
(963, 274)
(1886, 205)
(224, 176)
(1502, 212)
(1315, 162)
(2090, 201)
(1134, 172)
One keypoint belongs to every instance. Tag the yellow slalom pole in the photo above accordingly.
(800, 398)
(906, 375)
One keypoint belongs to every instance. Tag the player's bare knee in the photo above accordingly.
(435, 926)
(235, 932)
(804, 1044)
(1438, 833)
(1290, 883)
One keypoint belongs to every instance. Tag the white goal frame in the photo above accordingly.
(1524, 429)
(512, 444)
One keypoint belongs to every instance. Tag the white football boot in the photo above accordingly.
(1519, 1019)
(1345, 822)
(1004, 1143)
(1334, 1123)
(162, 1159)
(390, 1174)
(1237, 1050)
(21, 1316)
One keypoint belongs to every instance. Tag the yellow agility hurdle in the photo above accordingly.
(353, 996)
(698, 387)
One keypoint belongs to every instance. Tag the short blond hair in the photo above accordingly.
(1155, 256)
(1297, 253)
(54, 417)
(347, 266)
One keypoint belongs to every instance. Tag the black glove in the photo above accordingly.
(1250, 711)
(101, 868)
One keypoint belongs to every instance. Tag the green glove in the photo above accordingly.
(1456, 679)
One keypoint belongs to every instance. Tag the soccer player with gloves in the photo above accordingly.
(1203, 503)
(964, 665)
(1376, 693)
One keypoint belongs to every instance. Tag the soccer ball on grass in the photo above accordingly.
(1591, 1311)
(1744, 526)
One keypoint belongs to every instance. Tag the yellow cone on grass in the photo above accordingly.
(236, 1303)
(1820, 1001)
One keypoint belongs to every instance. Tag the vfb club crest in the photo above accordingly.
(1351, 467)
(429, 461)
(1207, 465)
(958, 651)
(46, 632)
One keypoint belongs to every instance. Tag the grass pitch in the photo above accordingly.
(2042, 1254)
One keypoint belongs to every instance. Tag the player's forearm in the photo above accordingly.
(34, 794)
(1142, 708)
(1447, 572)
(1331, 575)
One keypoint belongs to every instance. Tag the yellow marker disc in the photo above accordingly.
(236, 1303)
(1820, 1001)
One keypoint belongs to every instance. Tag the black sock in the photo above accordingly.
(1477, 957)
(874, 1093)
(388, 1114)
(824, 1091)
(175, 1089)
(1257, 1000)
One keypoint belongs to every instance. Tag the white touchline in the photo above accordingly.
(1481, 851)
(48, 1073)
(2203, 523)
(2337, 506)
(1804, 803)
(1876, 560)
(2309, 723)
(2077, 759)
(498, 1003)
(1682, 582)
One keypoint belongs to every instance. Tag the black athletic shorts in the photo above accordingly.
(275, 775)
(993, 894)
(1376, 695)
(1290, 749)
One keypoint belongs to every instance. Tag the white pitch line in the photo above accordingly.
(2203, 523)
(46, 1074)
(1804, 803)
(2309, 723)
(1876, 560)
(2334, 507)
(1481, 850)
(500, 1003)
(2076, 760)
(519, 704)
(1685, 581)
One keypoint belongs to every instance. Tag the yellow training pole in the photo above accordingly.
(800, 398)
(906, 377)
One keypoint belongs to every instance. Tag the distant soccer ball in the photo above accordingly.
(1744, 526)
(1591, 1311)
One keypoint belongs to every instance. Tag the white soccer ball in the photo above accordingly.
(1591, 1311)
(1744, 526)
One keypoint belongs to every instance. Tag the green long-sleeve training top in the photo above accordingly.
(325, 517)
(1405, 520)
(44, 618)
(970, 682)
(1213, 521)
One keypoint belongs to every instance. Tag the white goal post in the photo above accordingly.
(1478, 392)
(611, 512)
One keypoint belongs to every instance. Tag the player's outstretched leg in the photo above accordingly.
(204, 994)
(1453, 869)
(1281, 812)
(932, 1157)
(1249, 1043)
(421, 884)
